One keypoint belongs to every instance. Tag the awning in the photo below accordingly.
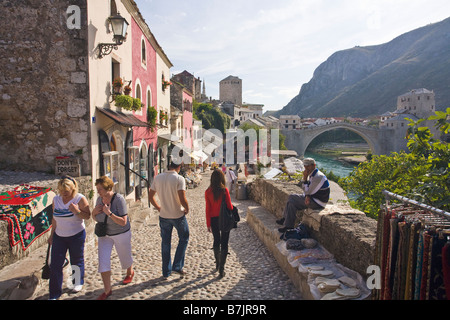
(169, 137)
(123, 119)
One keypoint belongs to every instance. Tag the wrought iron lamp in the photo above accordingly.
(119, 27)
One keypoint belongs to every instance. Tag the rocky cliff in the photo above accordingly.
(365, 81)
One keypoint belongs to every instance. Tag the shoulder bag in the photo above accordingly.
(227, 218)
(100, 227)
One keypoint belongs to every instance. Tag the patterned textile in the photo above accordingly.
(413, 250)
(446, 268)
(28, 211)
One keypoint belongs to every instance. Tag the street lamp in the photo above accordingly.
(119, 27)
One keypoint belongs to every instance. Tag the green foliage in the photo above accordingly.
(124, 101)
(422, 175)
(434, 186)
(151, 116)
(396, 173)
(137, 105)
(211, 117)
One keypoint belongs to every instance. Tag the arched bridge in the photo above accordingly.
(380, 141)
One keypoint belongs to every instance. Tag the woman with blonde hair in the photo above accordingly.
(112, 206)
(68, 233)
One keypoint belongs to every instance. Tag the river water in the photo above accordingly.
(339, 168)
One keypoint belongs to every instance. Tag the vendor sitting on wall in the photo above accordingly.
(316, 195)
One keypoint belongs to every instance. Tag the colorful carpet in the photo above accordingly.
(28, 211)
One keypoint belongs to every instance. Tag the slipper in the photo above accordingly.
(128, 279)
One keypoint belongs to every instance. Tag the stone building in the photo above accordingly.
(44, 85)
(193, 84)
(290, 122)
(419, 102)
(57, 95)
(230, 90)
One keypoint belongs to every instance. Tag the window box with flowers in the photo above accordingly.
(163, 117)
(165, 84)
(127, 90)
(117, 85)
(151, 116)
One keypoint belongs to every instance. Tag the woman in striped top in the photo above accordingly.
(70, 209)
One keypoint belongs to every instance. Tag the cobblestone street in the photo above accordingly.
(251, 271)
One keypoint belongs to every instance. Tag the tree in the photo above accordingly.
(422, 174)
(211, 117)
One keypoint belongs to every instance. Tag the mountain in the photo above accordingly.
(366, 81)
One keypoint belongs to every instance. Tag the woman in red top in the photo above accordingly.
(213, 197)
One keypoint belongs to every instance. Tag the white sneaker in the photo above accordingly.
(77, 288)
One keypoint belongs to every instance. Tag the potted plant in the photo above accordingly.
(137, 105)
(125, 102)
(165, 84)
(151, 116)
(127, 90)
(163, 116)
(117, 85)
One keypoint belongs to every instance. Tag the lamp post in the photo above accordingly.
(119, 27)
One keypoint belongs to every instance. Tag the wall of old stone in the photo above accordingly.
(349, 236)
(44, 90)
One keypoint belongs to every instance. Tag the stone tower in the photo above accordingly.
(419, 102)
(231, 90)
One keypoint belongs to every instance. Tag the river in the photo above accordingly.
(339, 168)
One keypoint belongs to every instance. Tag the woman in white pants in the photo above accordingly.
(118, 233)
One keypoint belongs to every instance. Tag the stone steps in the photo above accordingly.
(263, 223)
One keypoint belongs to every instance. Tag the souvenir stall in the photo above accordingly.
(28, 211)
(413, 251)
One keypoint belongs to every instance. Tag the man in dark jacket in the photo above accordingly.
(316, 194)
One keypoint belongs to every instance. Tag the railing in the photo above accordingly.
(440, 212)
(131, 170)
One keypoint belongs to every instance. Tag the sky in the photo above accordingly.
(275, 46)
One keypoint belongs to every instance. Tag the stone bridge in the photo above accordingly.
(381, 141)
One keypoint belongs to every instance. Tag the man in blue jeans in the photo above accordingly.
(171, 190)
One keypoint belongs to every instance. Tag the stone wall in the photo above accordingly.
(350, 236)
(44, 90)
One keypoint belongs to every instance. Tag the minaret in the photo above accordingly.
(204, 90)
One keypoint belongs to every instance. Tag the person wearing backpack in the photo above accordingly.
(213, 197)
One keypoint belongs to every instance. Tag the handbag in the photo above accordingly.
(46, 268)
(100, 227)
(227, 217)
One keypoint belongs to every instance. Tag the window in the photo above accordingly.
(138, 91)
(143, 53)
(149, 98)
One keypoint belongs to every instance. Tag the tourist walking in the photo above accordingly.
(173, 208)
(112, 207)
(230, 177)
(213, 197)
(68, 233)
(316, 195)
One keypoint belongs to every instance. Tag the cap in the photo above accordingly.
(309, 162)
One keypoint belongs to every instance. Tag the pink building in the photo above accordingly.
(187, 119)
(144, 87)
